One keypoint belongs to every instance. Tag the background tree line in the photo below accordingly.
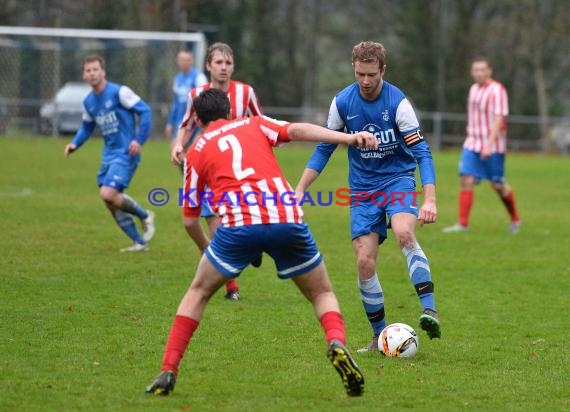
(297, 52)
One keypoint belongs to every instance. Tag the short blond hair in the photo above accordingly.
(369, 52)
(221, 47)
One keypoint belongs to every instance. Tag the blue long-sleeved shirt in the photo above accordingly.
(114, 111)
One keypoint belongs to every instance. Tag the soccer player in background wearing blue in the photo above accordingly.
(185, 80)
(113, 107)
(374, 105)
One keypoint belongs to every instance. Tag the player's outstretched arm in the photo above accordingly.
(313, 133)
(81, 137)
(310, 132)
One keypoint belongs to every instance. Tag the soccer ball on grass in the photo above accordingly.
(398, 340)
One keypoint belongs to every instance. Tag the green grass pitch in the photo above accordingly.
(83, 326)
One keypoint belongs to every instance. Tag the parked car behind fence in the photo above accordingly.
(65, 110)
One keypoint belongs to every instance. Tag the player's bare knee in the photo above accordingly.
(501, 188)
(467, 182)
(366, 264)
(406, 237)
(201, 291)
(187, 222)
(109, 196)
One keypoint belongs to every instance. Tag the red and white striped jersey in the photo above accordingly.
(243, 102)
(231, 166)
(484, 103)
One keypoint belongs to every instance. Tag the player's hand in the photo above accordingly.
(134, 148)
(70, 148)
(428, 212)
(486, 152)
(299, 196)
(176, 154)
(365, 140)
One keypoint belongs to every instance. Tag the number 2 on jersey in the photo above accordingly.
(230, 141)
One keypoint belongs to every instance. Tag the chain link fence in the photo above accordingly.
(36, 66)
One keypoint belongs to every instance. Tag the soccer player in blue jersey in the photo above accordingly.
(113, 108)
(382, 182)
(185, 80)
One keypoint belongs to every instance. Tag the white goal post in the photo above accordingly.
(38, 61)
(197, 38)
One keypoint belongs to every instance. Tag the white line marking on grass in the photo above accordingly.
(17, 192)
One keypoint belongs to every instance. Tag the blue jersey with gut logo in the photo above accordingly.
(114, 110)
(391, 118)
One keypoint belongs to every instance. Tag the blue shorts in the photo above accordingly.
(116, 174)
(492, 168)
(368, 210)
(291, 246)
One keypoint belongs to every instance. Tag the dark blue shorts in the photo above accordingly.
(116, 174)
(369, 215)
(492, 168)
(291, 246)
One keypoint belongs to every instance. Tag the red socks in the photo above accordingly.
(509, 202)
(333, 325)
(182, 330)
(231, 285)
(465, 203)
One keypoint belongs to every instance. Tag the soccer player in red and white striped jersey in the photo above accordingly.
(242, 97)
(485, 146)
(487, 103)
(261, 195)
(231, 159)
(243, 102)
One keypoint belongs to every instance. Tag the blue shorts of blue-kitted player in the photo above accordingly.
(116, 174)
(492, 168)
(368, 215)
(206, 210)
(291, 245)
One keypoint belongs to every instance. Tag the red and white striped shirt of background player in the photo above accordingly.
(483, 104)
(233, 157)
(243, 102)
